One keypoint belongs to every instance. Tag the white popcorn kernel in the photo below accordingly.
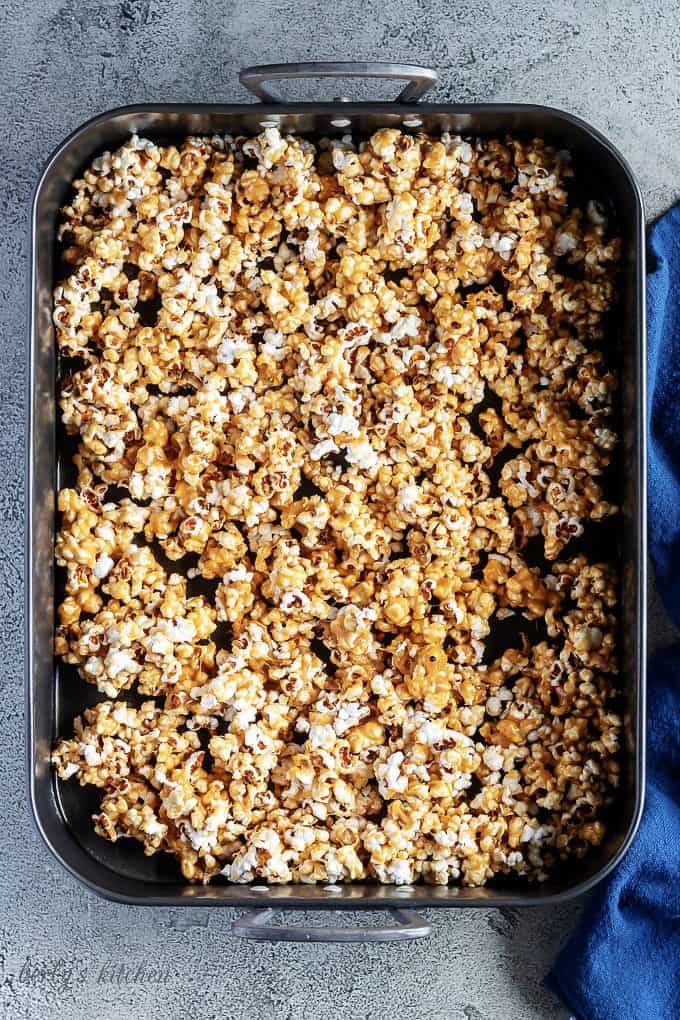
(294, 599)
(400, 872)
(124, 715)
(503, 244)
(349, 714)
(408, 326)
(91, 755)
(120, 662)
(407, 496)
(180, 630)
(103, 566)
(334, 869)
(389, 777)
(431, 732)
(527, 834)
(345, 424)
(323, 448)
(321, 735)
(274, 344)
(136, 485)
(361, 453)
(494, 705)
(239, 573)
(301, 837)
(564, 243)
(159, 645)
(492, 759)
(230, 349)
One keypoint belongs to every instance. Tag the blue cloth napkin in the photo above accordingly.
(623, 961)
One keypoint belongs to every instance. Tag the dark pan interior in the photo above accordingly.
(55, 695)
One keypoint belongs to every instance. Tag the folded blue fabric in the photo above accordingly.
(623, 961)
(663, 367)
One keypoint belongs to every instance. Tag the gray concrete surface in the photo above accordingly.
(62, 61)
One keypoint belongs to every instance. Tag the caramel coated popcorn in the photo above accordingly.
(342, 416)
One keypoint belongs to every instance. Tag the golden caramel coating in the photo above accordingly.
(356, 398)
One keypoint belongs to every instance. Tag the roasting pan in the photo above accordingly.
(120, 871)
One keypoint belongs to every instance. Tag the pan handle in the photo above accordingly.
(255, 925)
(419, 79)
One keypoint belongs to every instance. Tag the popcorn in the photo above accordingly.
(342, 391)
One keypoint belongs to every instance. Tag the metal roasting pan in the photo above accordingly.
(54, 695)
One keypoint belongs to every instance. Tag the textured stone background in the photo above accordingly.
(61, 61)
